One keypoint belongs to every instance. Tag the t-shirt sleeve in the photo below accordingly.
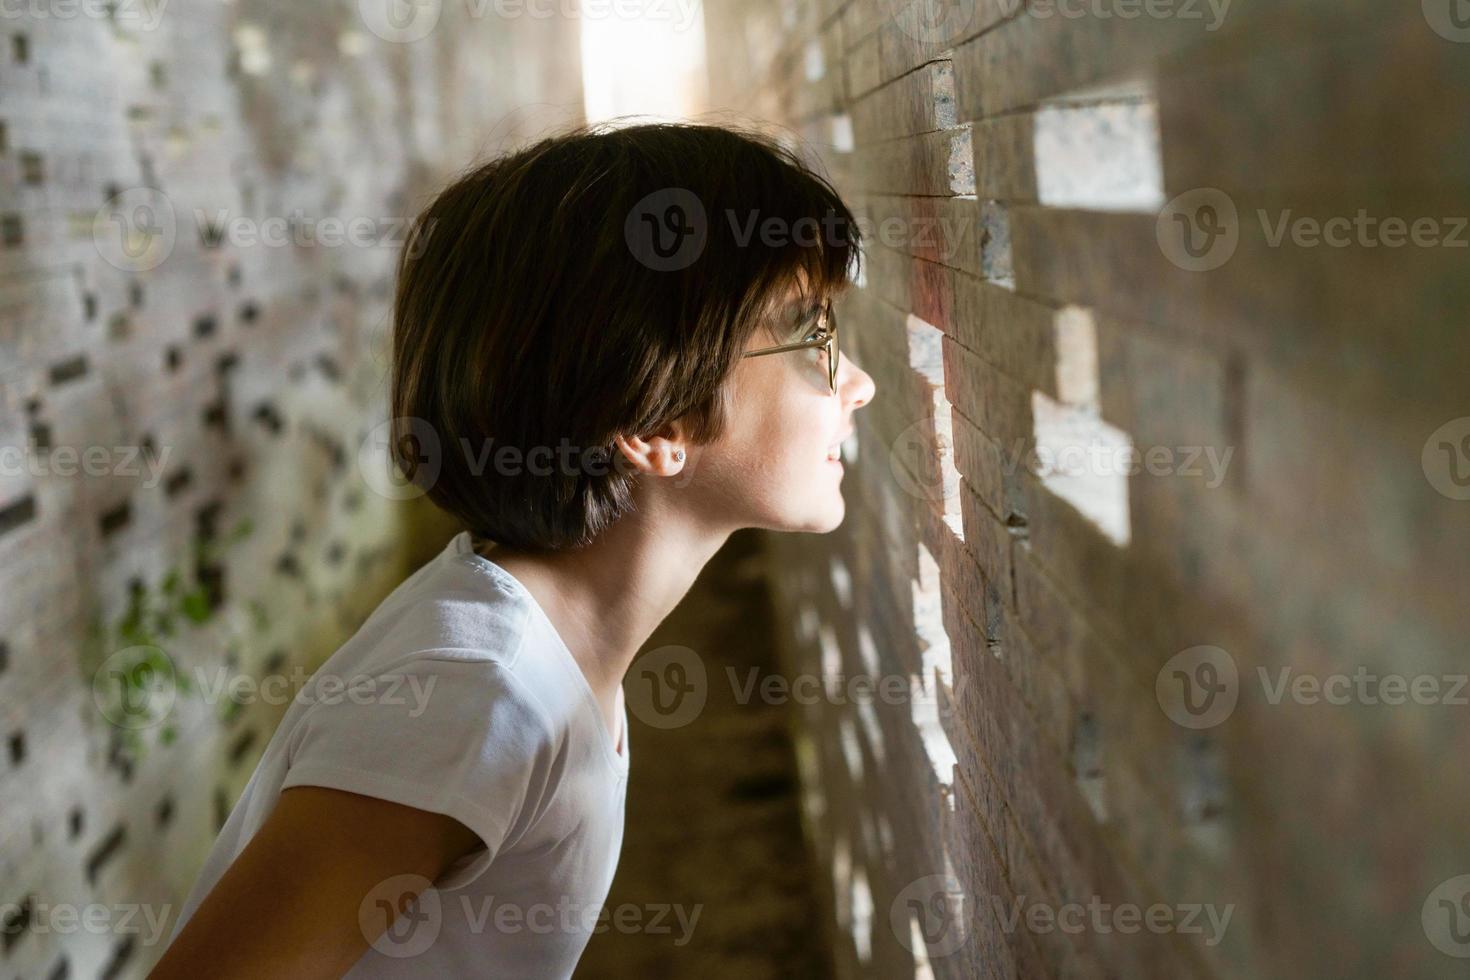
(457, 737)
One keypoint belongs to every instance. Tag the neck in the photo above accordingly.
(606, 599)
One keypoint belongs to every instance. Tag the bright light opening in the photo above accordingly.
(648, 62)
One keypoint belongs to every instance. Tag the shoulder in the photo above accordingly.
(457, 607)
(457, 639)
(435, 715)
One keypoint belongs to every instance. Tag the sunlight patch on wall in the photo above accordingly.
(926, 356)
(1101, 156)
(936, 667)
(1077, 453)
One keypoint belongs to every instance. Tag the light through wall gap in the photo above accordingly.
(1100, 151)
(936, 474)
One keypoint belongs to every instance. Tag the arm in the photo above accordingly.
(288, 905)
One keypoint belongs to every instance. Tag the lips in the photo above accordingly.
(834, 451)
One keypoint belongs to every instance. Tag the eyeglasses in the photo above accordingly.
(820, 331)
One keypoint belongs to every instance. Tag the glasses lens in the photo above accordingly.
(832, 353)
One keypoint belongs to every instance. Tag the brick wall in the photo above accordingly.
(187, 385)
(1085, 233)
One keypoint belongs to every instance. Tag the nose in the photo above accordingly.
(854, 384)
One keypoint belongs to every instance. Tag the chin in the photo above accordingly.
(822, 507)
(832, 525)
(833, 517)
(828, 519)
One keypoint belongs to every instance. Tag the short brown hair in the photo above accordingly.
(539, 305)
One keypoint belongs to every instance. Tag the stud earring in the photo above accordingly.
(678, 455)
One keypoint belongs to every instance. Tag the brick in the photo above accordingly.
(941, 230)
(1031, 58)
(999, 406)
(982, 463)
(1361, 137)
(1005, 163)
(1014, 333)
(1167, 393)
(938, 164)
(919, 102)
(987, 538)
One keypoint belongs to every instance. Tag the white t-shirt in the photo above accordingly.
(457, 696)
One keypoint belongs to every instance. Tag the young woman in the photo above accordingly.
(580, 377)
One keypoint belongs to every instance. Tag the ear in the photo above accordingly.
(663, 453)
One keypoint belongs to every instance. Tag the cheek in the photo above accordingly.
(793, 429)
(777, 426)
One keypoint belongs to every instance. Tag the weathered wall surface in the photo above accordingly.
(1229, 240)
(200, 204)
